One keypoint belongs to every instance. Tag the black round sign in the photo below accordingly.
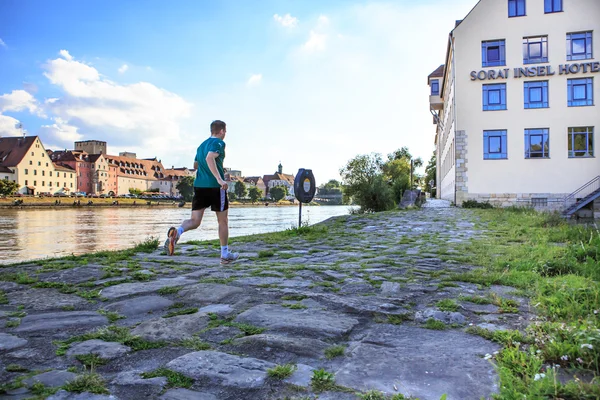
(304, 185)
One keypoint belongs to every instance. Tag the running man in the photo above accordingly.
(210, 190)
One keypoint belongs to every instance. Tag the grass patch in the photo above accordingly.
(397, 319)
(281, 371)
(442, 285)
(3, 297)
(89, 382)
(15, 368)
(169, 290)
(112, 316)
(507, 338)
(185, 311)
(435, 325)
(266, 253)
(174, 379)
(447, 305)
(334, 351)
(294, 306)
(91, 360)
(13, 323)
(475, 299)
(222, 281)
(195, 343)
(293, 297)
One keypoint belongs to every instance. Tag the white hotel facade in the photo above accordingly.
(515, 105)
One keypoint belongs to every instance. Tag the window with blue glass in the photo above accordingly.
(537, 143)
(494, 97)
(494, 145)
(579, 46)
(493, 53)
(552, 6)
(581, 142)
(536, 94)
(580, 92)
(516, 8)
(435, 87)
(535, 49)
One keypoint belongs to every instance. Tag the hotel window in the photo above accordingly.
(50, 173)
(516, 8)
(57, 184)
(535, 49)
(494, 145)
(34, 183)
(30, 162)
(579, 46)
(552, 6)
(536, 94)
(26, 182)
(537, 143)
(580, 92)
(26, 171)
(581, 142)
(493, 53)
(435, 87)
(35, 171)
(39, 163)
(494, 97)
(43, 183)
(43, 173)
(32, 154)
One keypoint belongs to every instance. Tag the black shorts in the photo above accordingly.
(215, 198)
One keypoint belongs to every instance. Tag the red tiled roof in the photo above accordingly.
(13, 149)
(137, 168)
(65, 168)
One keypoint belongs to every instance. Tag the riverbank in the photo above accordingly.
(419, 303)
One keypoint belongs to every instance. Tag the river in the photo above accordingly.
(41, 233)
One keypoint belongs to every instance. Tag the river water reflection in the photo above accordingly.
(40, 233)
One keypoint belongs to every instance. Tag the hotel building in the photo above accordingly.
(515, 106)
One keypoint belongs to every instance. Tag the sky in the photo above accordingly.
(308, 83)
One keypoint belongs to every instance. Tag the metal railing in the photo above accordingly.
(582, 192)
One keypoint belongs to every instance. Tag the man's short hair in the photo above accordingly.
(216, 127)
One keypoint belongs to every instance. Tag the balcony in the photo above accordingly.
(436, 102)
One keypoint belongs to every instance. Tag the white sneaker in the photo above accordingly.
(229, 258)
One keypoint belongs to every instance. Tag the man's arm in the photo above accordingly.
(212, 165)
(195, 164)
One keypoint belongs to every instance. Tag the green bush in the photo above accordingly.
(476, 204)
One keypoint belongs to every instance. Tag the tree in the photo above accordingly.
(330, 188)
(254, 193)
(231, 196)
(240, 189)
(134, 191)
(186, 187)
(277, 193)
(430, 174)
(366, 185)
(8, 188)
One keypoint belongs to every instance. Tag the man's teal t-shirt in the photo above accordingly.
(205, 178)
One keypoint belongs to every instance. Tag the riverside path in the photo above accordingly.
(351, 306)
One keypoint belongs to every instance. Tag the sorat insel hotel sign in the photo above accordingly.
(530, 72)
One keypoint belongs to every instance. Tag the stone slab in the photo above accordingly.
(276, 343)
(61, 320)
(390, 288)
(137, 288)
(9, 342)
(73, 275)
(44, 299)
(139, 305)
(106, 350)
(132, 378)
(311, 322)
(171, 329)
(64, 395)
(51, 378)
(302, 376)
(209, 292)
(185, 394)
(447, 317)
(410, 358)
(226, 369)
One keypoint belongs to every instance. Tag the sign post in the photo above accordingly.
(304, 189)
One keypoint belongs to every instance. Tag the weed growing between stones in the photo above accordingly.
(281, 371)
(185, 311)
(246, 328)
(322, 380)
(507, 338)
(88, 382)
(13, 323)
(294, 306)
(447, 305)
(91, 360)
(111, 315)
(3, 297)
(222, 281)
(174, 379)
(68, 308)
(169, 290)
(519, 250)
(195, 343)
(266, 253)
(334, 351)
(475, 299)
(15, 368)
(43, 391)
(435, 325)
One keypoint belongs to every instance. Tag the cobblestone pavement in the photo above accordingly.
(357, 303)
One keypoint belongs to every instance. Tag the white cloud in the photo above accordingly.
(323, 20)
(60, 132)
(93, 107)
(254, 80)
(123, 68)
(65, 54)
(8, 126)
(18, 100)
(316, 42)
(286, 21)
(2, 44)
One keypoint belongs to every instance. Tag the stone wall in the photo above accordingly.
(462, 178)
(554, 201)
